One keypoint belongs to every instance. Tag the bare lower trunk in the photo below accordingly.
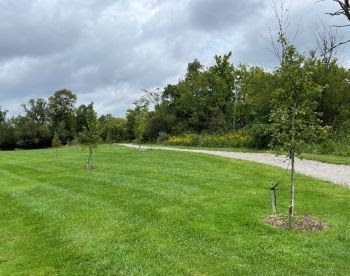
(89, 163)
(292, 188)
(292, 160)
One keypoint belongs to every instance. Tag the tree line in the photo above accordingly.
(226, 97)
(56, 119)
(217, 99)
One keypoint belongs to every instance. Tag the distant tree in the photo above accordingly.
(2, 115)
(62, 114)
(56, 143)
(36, 110)
(7, 136)
(294, 117)
(30, 134)
(109, 138)
(130, 124)
(140, 127)
(141, 120)
(90, 136)
(106, 125)
(327, 40)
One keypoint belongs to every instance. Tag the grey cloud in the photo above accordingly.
(221, 14)
(107, 50)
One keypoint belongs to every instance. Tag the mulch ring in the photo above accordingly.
(301, 223)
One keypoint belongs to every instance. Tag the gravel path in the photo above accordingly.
(338, 174)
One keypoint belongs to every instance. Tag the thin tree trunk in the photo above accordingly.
(292, 174)
(89, 164)
(234, 113)
(292, 187)
(91, 161)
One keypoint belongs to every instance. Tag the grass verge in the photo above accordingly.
(325, 158)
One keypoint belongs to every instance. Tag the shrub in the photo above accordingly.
(334, 146)
(261, 135)
(231, 139)
(162, 137)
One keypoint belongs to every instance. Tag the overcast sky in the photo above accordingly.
(105, 51)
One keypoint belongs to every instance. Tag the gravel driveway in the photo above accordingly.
(338, 174)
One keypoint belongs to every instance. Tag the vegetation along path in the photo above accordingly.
(339, 174)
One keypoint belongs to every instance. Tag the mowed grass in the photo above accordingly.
(325, 158)
(161, 213)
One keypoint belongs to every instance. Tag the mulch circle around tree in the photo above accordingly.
(302, 223)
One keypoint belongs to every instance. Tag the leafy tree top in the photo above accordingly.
(56, 141)
(90, 136)
(294, 117)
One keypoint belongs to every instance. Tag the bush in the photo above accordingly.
(261, 136)
(162, 137)
(232, 139)
(335, 146)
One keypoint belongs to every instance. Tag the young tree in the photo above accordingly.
(294, 119)
(56, 143)
(90, 136)
(140, 126)
(109, 138)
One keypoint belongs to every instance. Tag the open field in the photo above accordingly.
(161, 213)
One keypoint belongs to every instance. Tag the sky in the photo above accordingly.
(106, 51)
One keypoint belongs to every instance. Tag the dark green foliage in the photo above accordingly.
(113, 129)
(42, 121)
(334, 104)
(62, 114)
(215, 100)
(7, 135)
(30, 134)
(220, 99)
(261, 135)
(81, 120)
(225, 98)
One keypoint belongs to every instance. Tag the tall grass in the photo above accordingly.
(232, 139)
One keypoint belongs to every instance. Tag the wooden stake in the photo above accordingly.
(273, 198)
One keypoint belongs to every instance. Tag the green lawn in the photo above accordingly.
(332, 159)
(326, 158)
(160, 213)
